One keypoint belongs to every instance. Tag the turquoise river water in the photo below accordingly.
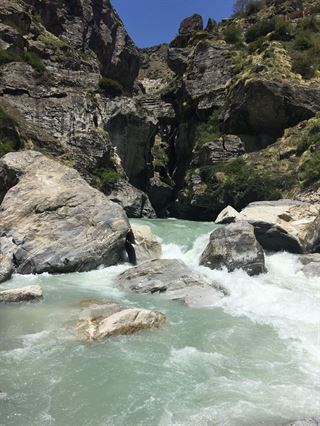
(252, 358)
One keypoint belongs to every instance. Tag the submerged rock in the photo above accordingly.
(54, 220)
(146, 244)
(24, 294)
(234, 247)
(310, 264)
(172, 279)
(103, 320)
(285, 225)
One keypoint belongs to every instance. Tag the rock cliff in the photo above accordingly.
(224, 114)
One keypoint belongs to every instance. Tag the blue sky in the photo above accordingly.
(151, 22)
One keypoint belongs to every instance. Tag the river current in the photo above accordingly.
(252, 358)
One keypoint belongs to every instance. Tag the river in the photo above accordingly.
(251, 359)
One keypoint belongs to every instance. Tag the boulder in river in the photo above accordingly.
(103, 320)
(234, 246)
(171, 279)
(24, 294)
(287, 225)
(310, 264)
(146, 244)
(54, 221)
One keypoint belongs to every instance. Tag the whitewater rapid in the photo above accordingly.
(250, 358)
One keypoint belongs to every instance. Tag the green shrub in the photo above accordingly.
(283, 30)
(110, 87)
(303, 41)
(35, 61)
(254, 6)
(106, 178)
(305, 64)
(6, 56)
(310, 170)
(5, 146)
(308, 138)
(239, 183)
(233, 34)
(260, 29)
(208, 131)
(160, 158)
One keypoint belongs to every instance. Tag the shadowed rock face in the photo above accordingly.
(265, 108)
(53, 221)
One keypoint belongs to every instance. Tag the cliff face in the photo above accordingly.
(195, 125)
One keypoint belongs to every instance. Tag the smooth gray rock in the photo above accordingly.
(171, 279)
(24, 294)
(54, 219)
(234, 246)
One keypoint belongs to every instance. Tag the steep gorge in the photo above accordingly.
(181, 129)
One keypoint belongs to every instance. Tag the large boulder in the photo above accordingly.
(234, 247)
(24, 294)
(146, 244)
(6, 268)
(103, 320)
(171, 279)
(53, 221)
(285, 225)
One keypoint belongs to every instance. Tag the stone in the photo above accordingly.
(310, 264)
(285, 225)
(191, 24)
(6, 268)
(146, 244)
(234, 246)
(100, 321)
(55, 221)
(228, 215)
(178, 59)
(170, 279)
(135, 203)
(24, 294)
(224, 148)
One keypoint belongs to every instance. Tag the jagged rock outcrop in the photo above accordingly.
(234, 246)
(171, 279)
(24, 294)
(53, 221)
(224, 148)
(284, 105)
